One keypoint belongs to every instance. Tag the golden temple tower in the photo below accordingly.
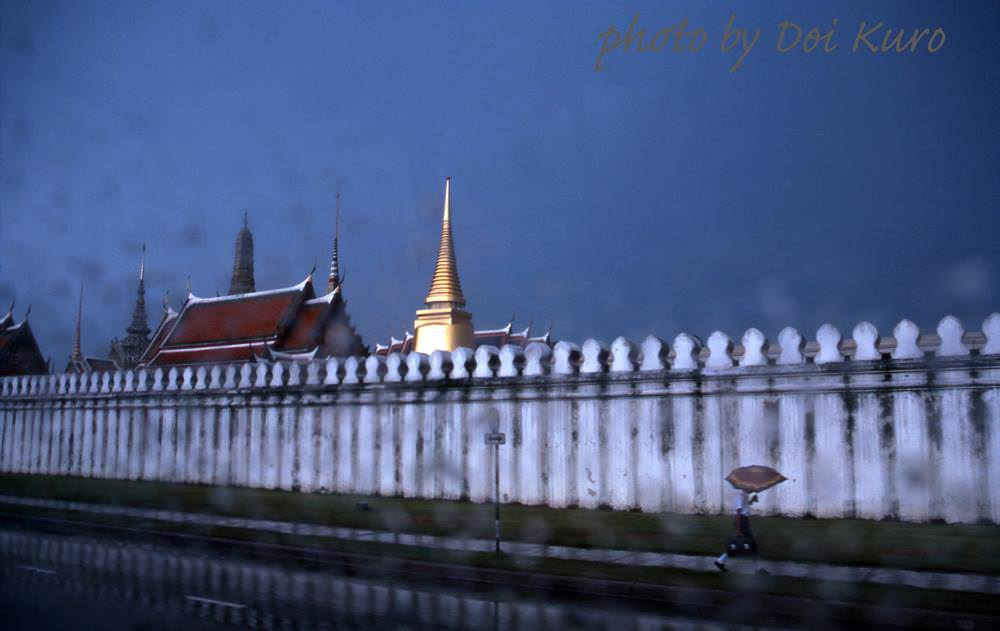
(444, 324)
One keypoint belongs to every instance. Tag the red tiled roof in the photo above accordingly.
(302, 333)
(223, 329)
(243, 317)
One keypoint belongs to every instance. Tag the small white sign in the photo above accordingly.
(496, 438)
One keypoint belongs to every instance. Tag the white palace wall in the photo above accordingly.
(873, 427)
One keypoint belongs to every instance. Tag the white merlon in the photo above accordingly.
(395, 368)
(595, 357)
(686, 349)
(277, 375)
(417, 365)
(486, 357)
(991, 330)
(373, 369)
(565, 358)
(753, 348)
(262, 371)
(623, 355)
(510, 356)
(331, 376)
(312, 373)
(538, 357)
(246, 376)
(907, 334)
(654, 354)
(461, 359)
(792, 346)
(950, 331)
(351, 367)
(720, 351)
(294, 373)
(866, 342)
(440, 362)
(829, 339)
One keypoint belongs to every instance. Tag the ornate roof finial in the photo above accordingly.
(445, 286)
(27, 312)
(142, 264)
(77, 354)
(188, 286)
(246, 220)
(333, 279)
(166, 301)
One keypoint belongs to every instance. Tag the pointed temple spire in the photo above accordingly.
(333, 280)
(77, 353)
(243, 281)
(445, 286)
(136, 339)
(444, 324)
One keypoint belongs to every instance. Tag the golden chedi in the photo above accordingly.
(444, 324)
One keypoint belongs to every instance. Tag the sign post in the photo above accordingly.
(496, 439)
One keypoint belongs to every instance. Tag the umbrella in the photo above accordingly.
(755, 478)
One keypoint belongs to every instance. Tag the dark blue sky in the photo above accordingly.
(661, 194)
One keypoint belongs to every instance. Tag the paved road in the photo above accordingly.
(54, 578)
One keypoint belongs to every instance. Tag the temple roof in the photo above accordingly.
(19, 351)
(236, 318)
(290, 321)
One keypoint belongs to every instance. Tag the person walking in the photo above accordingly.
(743, 543)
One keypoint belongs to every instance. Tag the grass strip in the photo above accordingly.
(931, 546)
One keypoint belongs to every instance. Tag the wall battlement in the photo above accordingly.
(904, 427)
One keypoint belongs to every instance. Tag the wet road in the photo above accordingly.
(54, 578)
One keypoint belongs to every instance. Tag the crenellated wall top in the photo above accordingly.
(685, 357)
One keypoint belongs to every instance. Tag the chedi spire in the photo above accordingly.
(445, 286)
(137, 333)
(243, 281)
(77, 353)
(333, 279)
(444, 324)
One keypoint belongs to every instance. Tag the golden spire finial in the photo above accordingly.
(445, 286)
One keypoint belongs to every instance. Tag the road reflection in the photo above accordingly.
(103, 583)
